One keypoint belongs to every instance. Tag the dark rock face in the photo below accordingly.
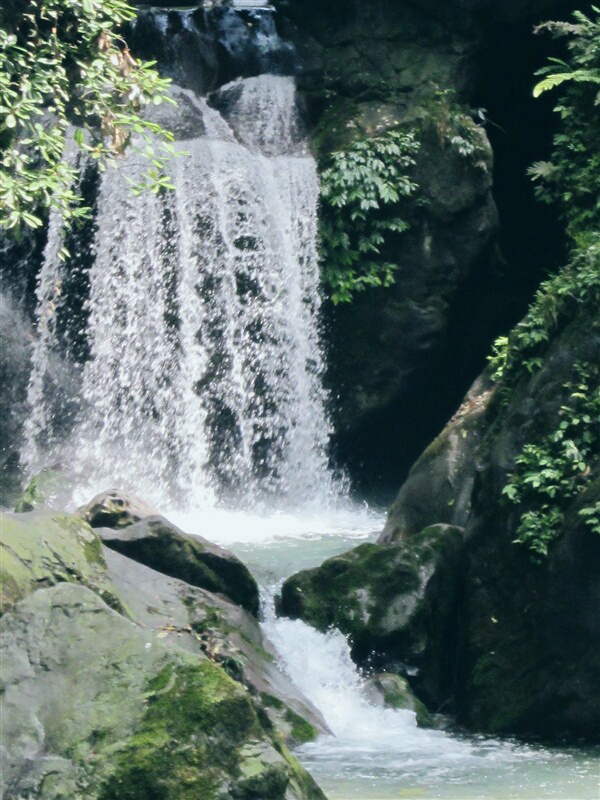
(440, 485)
(526, 639)
(397, 603)
(15, 341)
(158, 544)
(365, 69)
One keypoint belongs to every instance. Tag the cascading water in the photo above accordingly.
(197, 381)
(204, 376)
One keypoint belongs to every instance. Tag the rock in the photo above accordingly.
(397, 603)
(440, 485)
(16, 337)
(125, 715)
(159, 544)
(528, 632)
(392, 691)
(200, 622)
(45, 548)
(365, 71)
(42, 491)
(115, 509)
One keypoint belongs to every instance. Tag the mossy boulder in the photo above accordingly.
(527, 629)
(123, 714)
(159, 544)
(44, 548)
(396, 602)
(201, 622)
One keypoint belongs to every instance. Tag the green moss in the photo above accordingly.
(42, 549)
(302, 731)
(271, 702)
(264, 654)
(93, 552)
(40, 491)
(186, 744)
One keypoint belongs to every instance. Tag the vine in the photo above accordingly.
(65, 73)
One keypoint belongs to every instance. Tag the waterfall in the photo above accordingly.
(204, 376)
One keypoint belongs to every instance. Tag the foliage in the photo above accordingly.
(362, 192)
(556, 468)
(457, 130)
(556, 302)
(571, 177)
(550, 473)
(68, 79)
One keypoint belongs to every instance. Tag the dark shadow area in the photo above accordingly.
(380, 451)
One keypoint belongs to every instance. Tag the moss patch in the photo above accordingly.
(185, 745)
(41, 549)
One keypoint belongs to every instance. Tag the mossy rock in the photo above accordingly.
(393, 691)
(99, 707)
(395, 602)
(44, 548)
(42, 491)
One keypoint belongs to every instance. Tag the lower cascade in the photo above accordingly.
(202, 375)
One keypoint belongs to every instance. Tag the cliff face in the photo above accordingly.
(402, 356)
(512, 639)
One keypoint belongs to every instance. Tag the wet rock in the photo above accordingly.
(201, 622)
(115, 509)
(126, 715)
(391, 691)
(528, 633)
(45, 548)
(159, 544)
(16, 337)
(397, 603)
(42, 491)
(439, 487)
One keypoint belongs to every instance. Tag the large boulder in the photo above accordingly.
(170, 691)
(201, 622)
(159, 544)
(45, 548)
(397, 603)
(524, 638)
(122, 715)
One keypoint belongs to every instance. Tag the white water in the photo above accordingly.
(204, 388)
(376, 753)
(204, 381)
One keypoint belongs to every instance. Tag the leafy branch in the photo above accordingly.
(362, 190)
(66, 75)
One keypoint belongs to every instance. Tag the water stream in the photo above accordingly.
(377, 753)
(200, 388)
